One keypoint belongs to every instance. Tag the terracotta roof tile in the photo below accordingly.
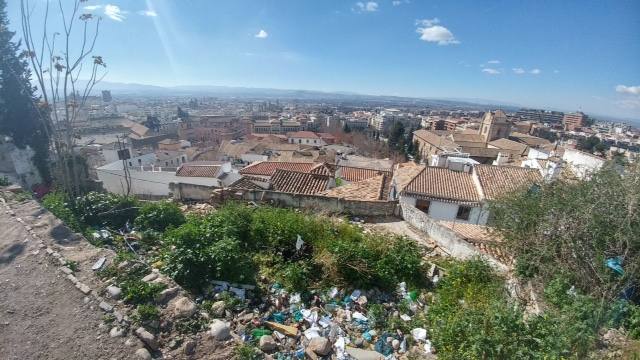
(369, 189)
(444, 184)
(245, 183)
(194, 169)
(299, 182)
(499, 180)
(268, 168)
(350, 173)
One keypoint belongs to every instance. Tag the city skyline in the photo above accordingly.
(568, 56)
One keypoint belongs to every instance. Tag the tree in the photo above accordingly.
(585, 231)
(417, 154)
(59, 59)
(20, 114)
(346, 128)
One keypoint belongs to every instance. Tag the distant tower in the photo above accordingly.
(495, 126)
(106, 96)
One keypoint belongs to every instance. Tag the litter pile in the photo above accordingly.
(329, 324)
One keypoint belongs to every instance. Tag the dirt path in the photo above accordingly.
(42, 314)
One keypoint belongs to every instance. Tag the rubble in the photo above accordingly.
(333, 323)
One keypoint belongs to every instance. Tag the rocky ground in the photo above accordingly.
(43, 315)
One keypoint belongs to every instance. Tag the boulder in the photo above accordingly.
(219, 330)
(320, 346)
(267, 343)
(147, 338)
(116, 332)
(217, 309)
(167, 294)
(184, 308)
(114, 292)
(150, 277)
(143, 354)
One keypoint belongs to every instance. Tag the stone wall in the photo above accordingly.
(446, 238)
(192, 192)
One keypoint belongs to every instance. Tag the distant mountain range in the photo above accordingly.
(133, 89)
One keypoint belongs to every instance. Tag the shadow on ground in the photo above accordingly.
(9, 254)
(62, 235)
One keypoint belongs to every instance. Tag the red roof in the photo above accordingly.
(267, 168)
(194, 169)
(350, 173)
(299, 182)
(303, 134)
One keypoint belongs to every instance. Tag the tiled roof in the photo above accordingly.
(268, 168)
(528, 139)
(404, 173)
(506, 144)
(245, 183)
(299, 182)
(444, 184)
(499, 180)
(435, 139)
(350, 173)
(303, 135)
(196, 169)
(321, 169)
(369, 189)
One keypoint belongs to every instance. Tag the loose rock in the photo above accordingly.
(116, 332)
(320, 346)
(217, 309)
(143, 353)
(184, 307)
(147, 338)
(267, 343)
(114, 292)
(219, 330)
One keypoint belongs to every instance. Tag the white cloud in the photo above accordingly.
(633, 90)
(369, 6)
(518, 71)
(629, 103)
(150, 13)
(431, 32)
(535, 71)
(262, 34)
(491, 71)
(399, 2)
(114, 12)
(556, 71)
(92, 7)
(493, 62)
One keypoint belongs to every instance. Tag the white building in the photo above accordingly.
(305, 138)
(459, 195)
(581, 163)
(151, 181)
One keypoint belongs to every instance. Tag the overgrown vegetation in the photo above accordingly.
(236, 241)
(158, 216)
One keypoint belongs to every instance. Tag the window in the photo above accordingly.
(423, 205)
(139, 161)
(463, 212)
(184, 159)
(484, 130)
(130, 164)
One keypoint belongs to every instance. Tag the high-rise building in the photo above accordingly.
(573, 121)
(106, 96)
(530, 115)
(553, 117)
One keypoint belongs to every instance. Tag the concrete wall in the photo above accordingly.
(439, 210)
(191, 192)
(443, 236)
(581, 163)
(146, 183)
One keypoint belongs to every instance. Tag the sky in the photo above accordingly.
(567, 55)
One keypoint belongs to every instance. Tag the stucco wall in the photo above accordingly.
(443, 236)
(447, 211)
(147, 183)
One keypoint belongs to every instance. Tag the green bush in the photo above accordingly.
(159, 216)
(146, 313)
(4, 181)
(60, 206)
(139, 292)
(208, 248)
(472, 319)
(105, 209)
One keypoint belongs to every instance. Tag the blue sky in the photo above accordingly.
(567, 55)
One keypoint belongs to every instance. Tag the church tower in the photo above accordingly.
(494, 126)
